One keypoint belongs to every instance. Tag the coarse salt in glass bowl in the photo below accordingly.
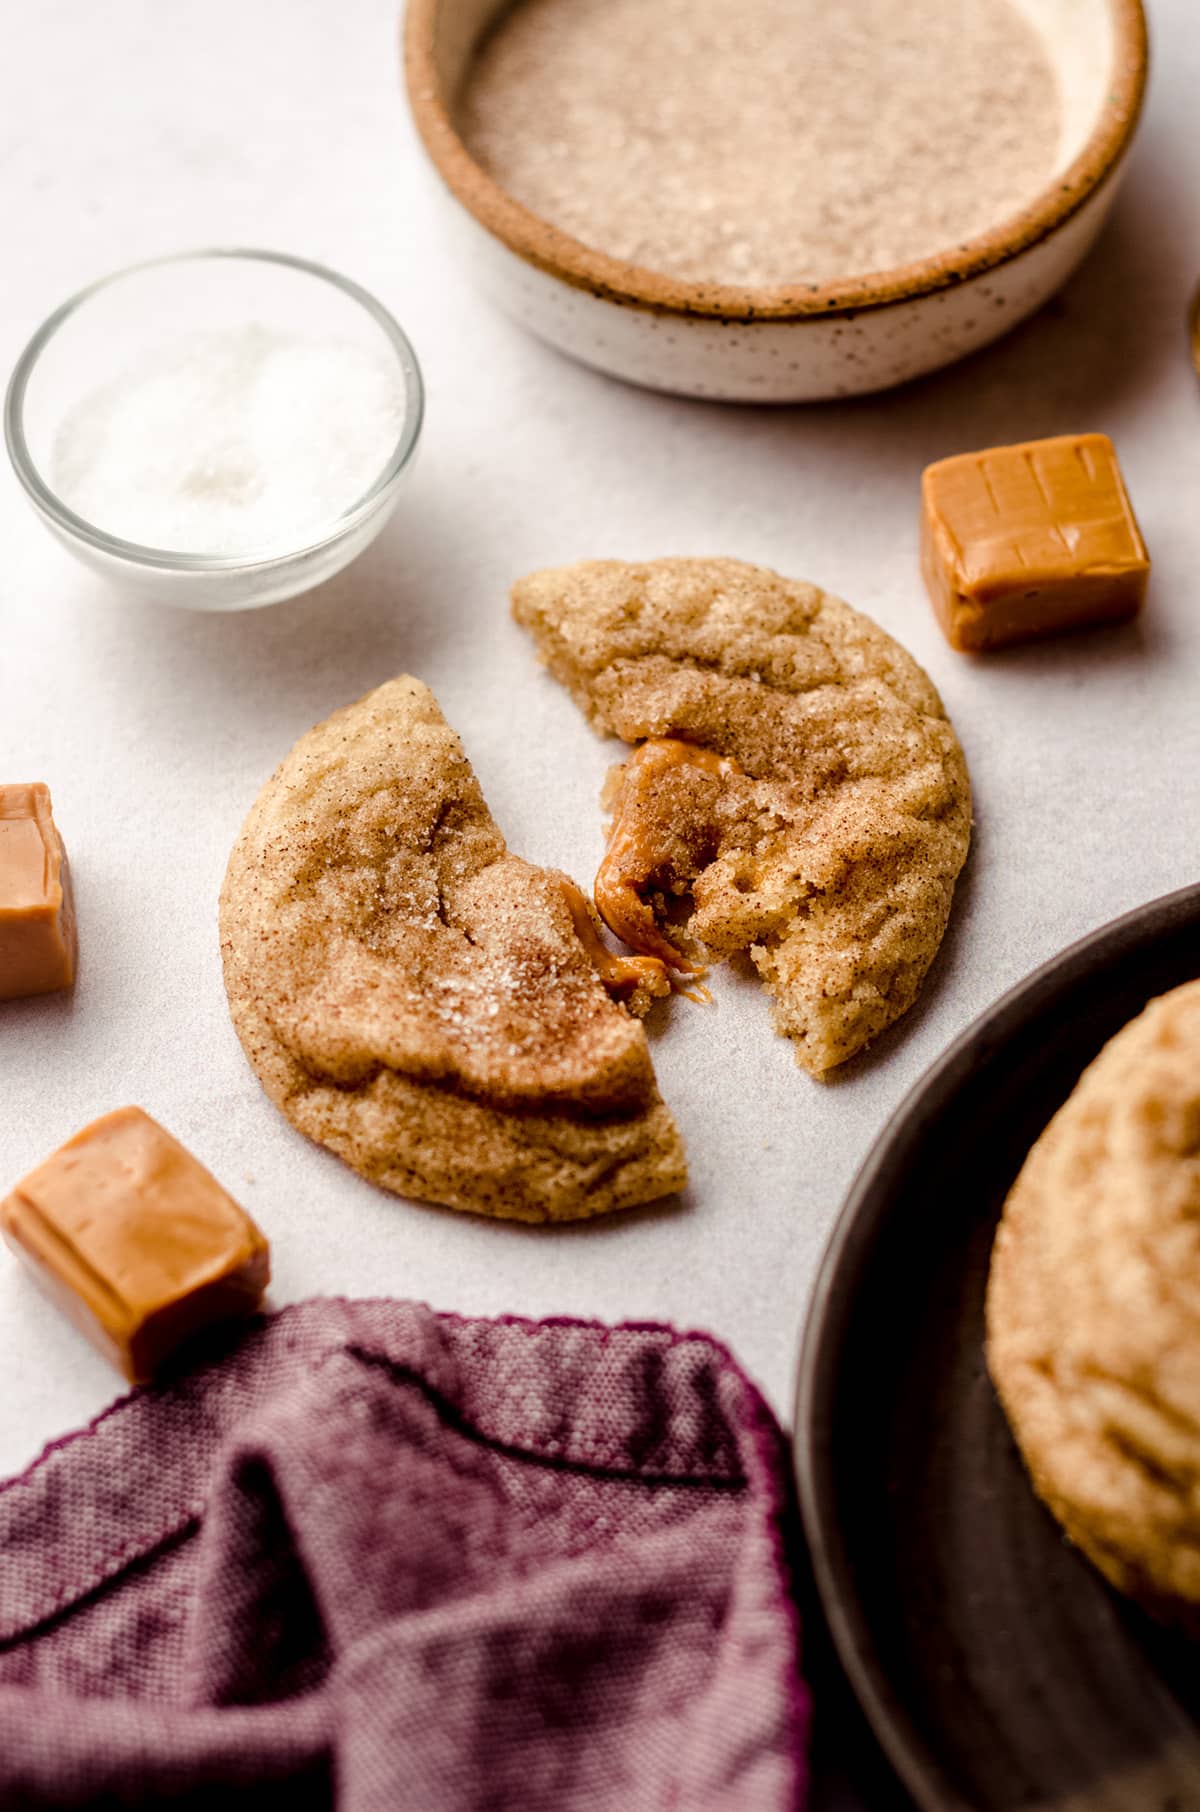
(217, 429)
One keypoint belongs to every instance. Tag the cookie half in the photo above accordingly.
(829, 844)
(417, 998)
(1093, 1310)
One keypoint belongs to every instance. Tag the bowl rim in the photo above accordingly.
(559, 254)
(864, 1210)
(79, 528)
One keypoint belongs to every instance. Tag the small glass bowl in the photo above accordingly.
(90, 340)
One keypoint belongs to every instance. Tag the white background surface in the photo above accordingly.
(140, 126)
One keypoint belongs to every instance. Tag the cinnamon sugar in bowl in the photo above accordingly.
(778, 201)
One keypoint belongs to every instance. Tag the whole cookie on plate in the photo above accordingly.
(420, 1000)
(798, 779)
(1093, 1309)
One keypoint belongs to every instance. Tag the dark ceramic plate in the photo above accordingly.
(997, 1669)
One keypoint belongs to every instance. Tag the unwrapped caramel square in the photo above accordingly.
(37, 914)
(135, 1240)
(1019, 542)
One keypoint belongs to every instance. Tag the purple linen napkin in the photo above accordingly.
(372, 1557)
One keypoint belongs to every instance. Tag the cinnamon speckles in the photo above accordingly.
(1093, 1317)
(844, 816)
(774, 142)
(417, 998)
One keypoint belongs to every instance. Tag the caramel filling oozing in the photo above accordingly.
(660, 837)
(621, 975)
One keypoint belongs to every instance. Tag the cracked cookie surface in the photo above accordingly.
(417, 998)
(830, 848)
(1093, 1309)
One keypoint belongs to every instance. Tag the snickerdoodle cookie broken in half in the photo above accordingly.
(425, 1003)
(797, 778)
(1093, 1310)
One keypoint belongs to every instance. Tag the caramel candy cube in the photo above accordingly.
(37, 914)
(1019, 542)
(135, 1241)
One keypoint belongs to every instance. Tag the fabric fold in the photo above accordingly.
(363, 1556)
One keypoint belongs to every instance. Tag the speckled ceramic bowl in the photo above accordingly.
(815, 340)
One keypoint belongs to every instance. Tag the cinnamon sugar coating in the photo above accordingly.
(417, 998)
(832, 856)
(1093, 1310)
(768, 141)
